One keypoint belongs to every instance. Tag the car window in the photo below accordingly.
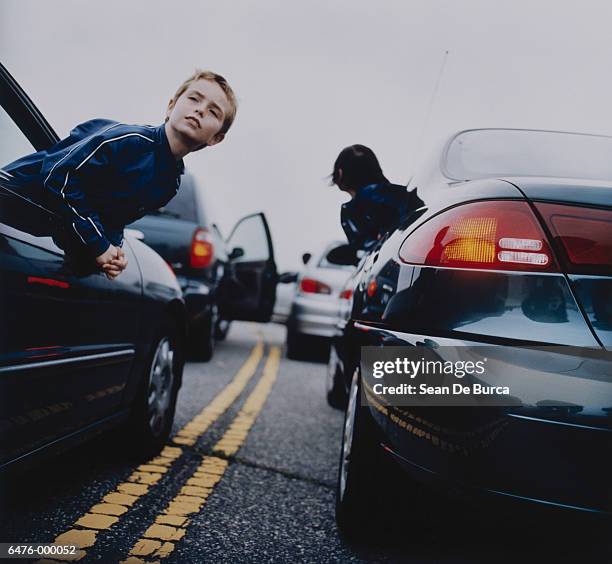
(485, 153)
(184, 203)
(250, 236)
(324, 263)
(24, 220)
(14, 143)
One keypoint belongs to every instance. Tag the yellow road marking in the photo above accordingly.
(107, 513)
(170, 527)
(190, 433)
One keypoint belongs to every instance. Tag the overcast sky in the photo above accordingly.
(313, 77)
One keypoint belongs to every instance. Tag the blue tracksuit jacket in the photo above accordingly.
(102, 177)
(376, 209)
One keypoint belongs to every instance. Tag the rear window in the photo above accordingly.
(324, 263)
(485, 153)
(184, 203)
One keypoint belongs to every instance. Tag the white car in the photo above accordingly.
(285, 291)
(316, 304)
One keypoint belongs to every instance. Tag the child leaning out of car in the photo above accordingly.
(106, 175)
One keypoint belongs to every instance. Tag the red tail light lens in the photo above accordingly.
(48, 282)
(312, 286)
(346, 294)
(202, 251)
(499, 235)
(583, 234)
(372, 287)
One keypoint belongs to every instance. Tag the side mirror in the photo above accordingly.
(343, 255)
(306, 257)
(236, 252)
(287, 277)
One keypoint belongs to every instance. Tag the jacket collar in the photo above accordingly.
(172, 163)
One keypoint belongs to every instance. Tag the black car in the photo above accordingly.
(183, 233)
(512, 252)
(80, 353)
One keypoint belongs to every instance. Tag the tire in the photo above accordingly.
(222, 328)
(361, 473)
(150, 424)
(296, 345)
(335, 392)
(202, 337)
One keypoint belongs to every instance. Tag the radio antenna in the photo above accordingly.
(430, 106)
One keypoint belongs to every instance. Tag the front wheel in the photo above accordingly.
(151, 422)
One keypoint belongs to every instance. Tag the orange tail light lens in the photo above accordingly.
(496, 235)
(202, 250)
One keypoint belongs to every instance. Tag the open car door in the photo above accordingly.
(249, 291)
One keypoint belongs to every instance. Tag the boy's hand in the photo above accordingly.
(108, 255)
(112, 262)
(116, 266)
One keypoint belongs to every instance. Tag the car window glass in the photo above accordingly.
(250, 236)
(14, 143)
(184, 203)
(324, 263)
(484, 153)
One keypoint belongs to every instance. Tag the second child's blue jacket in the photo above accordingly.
(102, 177)
(376, 209)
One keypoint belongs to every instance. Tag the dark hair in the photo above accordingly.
(360, 167)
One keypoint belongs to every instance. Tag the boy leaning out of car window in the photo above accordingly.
(106, 175)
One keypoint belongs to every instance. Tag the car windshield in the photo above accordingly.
(483, 153)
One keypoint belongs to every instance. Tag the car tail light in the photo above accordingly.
(312, 286)
(496, 235)
(372, 287)
(346, 294)
(48, 282)
(202, 250)
(584, 236)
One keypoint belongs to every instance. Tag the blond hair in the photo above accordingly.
(223, 84)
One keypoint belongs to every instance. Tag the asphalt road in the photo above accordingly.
(248, 477)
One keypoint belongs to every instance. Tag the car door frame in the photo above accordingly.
(24, 112)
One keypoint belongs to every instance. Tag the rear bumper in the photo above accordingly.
(498, 501)
(535, 454)
(315, 316)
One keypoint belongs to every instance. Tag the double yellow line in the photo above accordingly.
(170, 526)
(160, 539)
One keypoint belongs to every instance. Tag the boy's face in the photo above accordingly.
(198, 114)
